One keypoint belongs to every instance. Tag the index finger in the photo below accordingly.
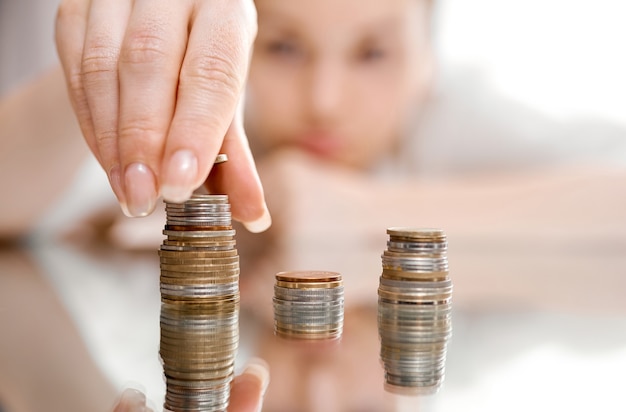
(149, 66)
(211, 82)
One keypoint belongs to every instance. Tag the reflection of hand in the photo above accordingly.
(155, 86)
(246, 394)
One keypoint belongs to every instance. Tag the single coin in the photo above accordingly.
(205, 198)
(416, 247)
(221, 158)
(208, 234)
(201, 223)
(199, 261)
(195, 248)
(166, 298)
(201, 269)
(319, 293)
(396, 274)
(198, 242)
(201, 288)
(196, 207)
(191, 385)
(411, 284)
(306, 335)
(193, 254)
(308, 276)
(309, 285)
(416, 233)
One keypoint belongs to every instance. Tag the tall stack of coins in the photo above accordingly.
(414, 305)
(199, 304)
(308, 305)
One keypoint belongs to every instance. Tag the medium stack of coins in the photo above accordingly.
(308, 305)
(414, 305)
(199, 304)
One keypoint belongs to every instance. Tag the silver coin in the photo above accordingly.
(195, 248)
(199, 233)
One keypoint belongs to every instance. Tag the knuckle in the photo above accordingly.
(144, 46)
(213, 72)
(75, 83)
(142, 131)
(78, 98)
(106, 138)
(99, 58)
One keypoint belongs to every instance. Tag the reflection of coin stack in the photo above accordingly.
(308, 305)
(199, 304)
(414, 304)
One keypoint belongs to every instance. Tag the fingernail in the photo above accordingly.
(261, 224)
(181, 175)
(260, 369)
(141, 193)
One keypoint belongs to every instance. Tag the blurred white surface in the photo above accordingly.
(563, 57)
(520, 360)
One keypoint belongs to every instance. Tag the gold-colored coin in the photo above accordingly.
(309, 285)
(416, 233)
(199, 309)
(200, 268)
(199, 261)
(169, 298)
(205, 233)
(190, 373)
(306, 335)
(406, 275)
(194, 254)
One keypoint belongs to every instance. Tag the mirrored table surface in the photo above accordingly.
(84, 320)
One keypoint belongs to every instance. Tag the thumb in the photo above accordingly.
(239, 179)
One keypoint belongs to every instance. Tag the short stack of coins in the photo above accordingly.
(414, 310)
(308, 305)
(199, 304)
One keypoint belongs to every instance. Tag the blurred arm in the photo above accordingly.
(40, 150)
(45, 364)
(549, 238)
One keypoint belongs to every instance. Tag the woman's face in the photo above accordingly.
(337, 78)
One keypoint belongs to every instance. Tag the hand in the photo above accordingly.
(155, 86)
(246, 394)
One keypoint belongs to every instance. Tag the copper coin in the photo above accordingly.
(308, 276)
